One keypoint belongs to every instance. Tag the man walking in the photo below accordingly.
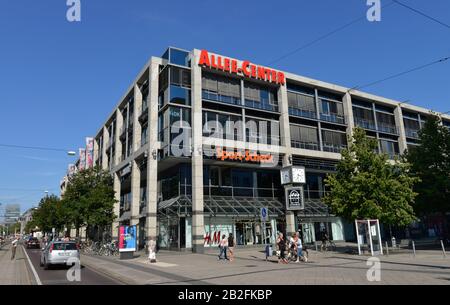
(14, 247)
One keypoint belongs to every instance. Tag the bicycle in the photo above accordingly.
(326, 244)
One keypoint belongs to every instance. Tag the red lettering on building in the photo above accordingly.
(247, 69)
(247, 156)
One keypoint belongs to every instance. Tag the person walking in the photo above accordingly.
(231, 244)
(281, 243)
(223, 245)
(14, 244)
(299, 246)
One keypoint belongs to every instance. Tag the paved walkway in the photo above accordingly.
(250, 267)
(14, 272)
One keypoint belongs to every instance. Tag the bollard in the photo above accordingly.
(387, 249)
(315, 243)
(414, 248)
(443, 248)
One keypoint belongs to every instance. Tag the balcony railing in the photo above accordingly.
(144, 113)
(261, 105)
(386, 128)
(213, 96)
(305, 145)
(365, 123)
(333, 147)
(304, 113)
(333, 118)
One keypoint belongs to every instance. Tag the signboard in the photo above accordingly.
(244, 68)
(295, 198)
(246, 156)
(264, 214)
(127, 238)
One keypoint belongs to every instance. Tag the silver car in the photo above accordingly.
(58, 253)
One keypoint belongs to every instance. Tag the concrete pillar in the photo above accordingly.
(198, 229)
(400, 129)
(105, 156)
(135, 192)
(348, 113)
(115, 225)
(137, 130)
(285, 132)
(118, 144)
(152, 162)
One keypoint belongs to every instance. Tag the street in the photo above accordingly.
(56, 275)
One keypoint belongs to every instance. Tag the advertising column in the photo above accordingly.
(127, 241)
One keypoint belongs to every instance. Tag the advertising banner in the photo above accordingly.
(127, 238)
(82, 156)
(71, 170)
(89, 152)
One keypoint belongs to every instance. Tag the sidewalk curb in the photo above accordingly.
(114, 275)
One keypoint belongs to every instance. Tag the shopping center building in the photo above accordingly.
(197, 144)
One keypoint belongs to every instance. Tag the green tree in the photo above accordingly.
(430, 161)
(89, 199)
(49, 214)
(368, 185)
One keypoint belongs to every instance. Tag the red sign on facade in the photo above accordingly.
(246, 68)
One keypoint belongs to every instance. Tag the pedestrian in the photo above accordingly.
(299, 246)
(14, 244)
(281, 243)
(231, 243)
(152, 251)
(223, 245)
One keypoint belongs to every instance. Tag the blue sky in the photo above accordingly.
(59, 80)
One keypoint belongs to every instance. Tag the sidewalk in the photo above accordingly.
(14, 272)
(250, 267)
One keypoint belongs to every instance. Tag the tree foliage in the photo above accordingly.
(430, 161)
(88, 201)
(367, 185)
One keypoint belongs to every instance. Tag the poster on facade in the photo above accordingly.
(82, 157)
(89, 152)
(127, 238)
(215, 230)
(71, 170)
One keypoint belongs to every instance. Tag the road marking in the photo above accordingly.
(36, 277)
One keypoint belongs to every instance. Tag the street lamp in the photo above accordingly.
(71, 153)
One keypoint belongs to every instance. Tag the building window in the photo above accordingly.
(260, 97)
(333, 141)
(364, 118)
(332, 111)
(304, 137)
(302, 105)
(221, 89)
(389, 147)
(412, 128)
(386, 123)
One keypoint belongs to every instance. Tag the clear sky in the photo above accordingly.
(59, 80)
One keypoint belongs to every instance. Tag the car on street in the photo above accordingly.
(33, 242)
(59, 253)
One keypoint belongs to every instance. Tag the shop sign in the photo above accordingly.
(246, 156)
(245, 68)
(295, 198)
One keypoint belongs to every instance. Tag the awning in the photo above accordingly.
(314, 208)
(223, 206)
(125, 216)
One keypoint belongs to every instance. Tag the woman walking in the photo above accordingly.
(231, 243)
(282, 248)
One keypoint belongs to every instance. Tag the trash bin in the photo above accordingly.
(269, 251)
